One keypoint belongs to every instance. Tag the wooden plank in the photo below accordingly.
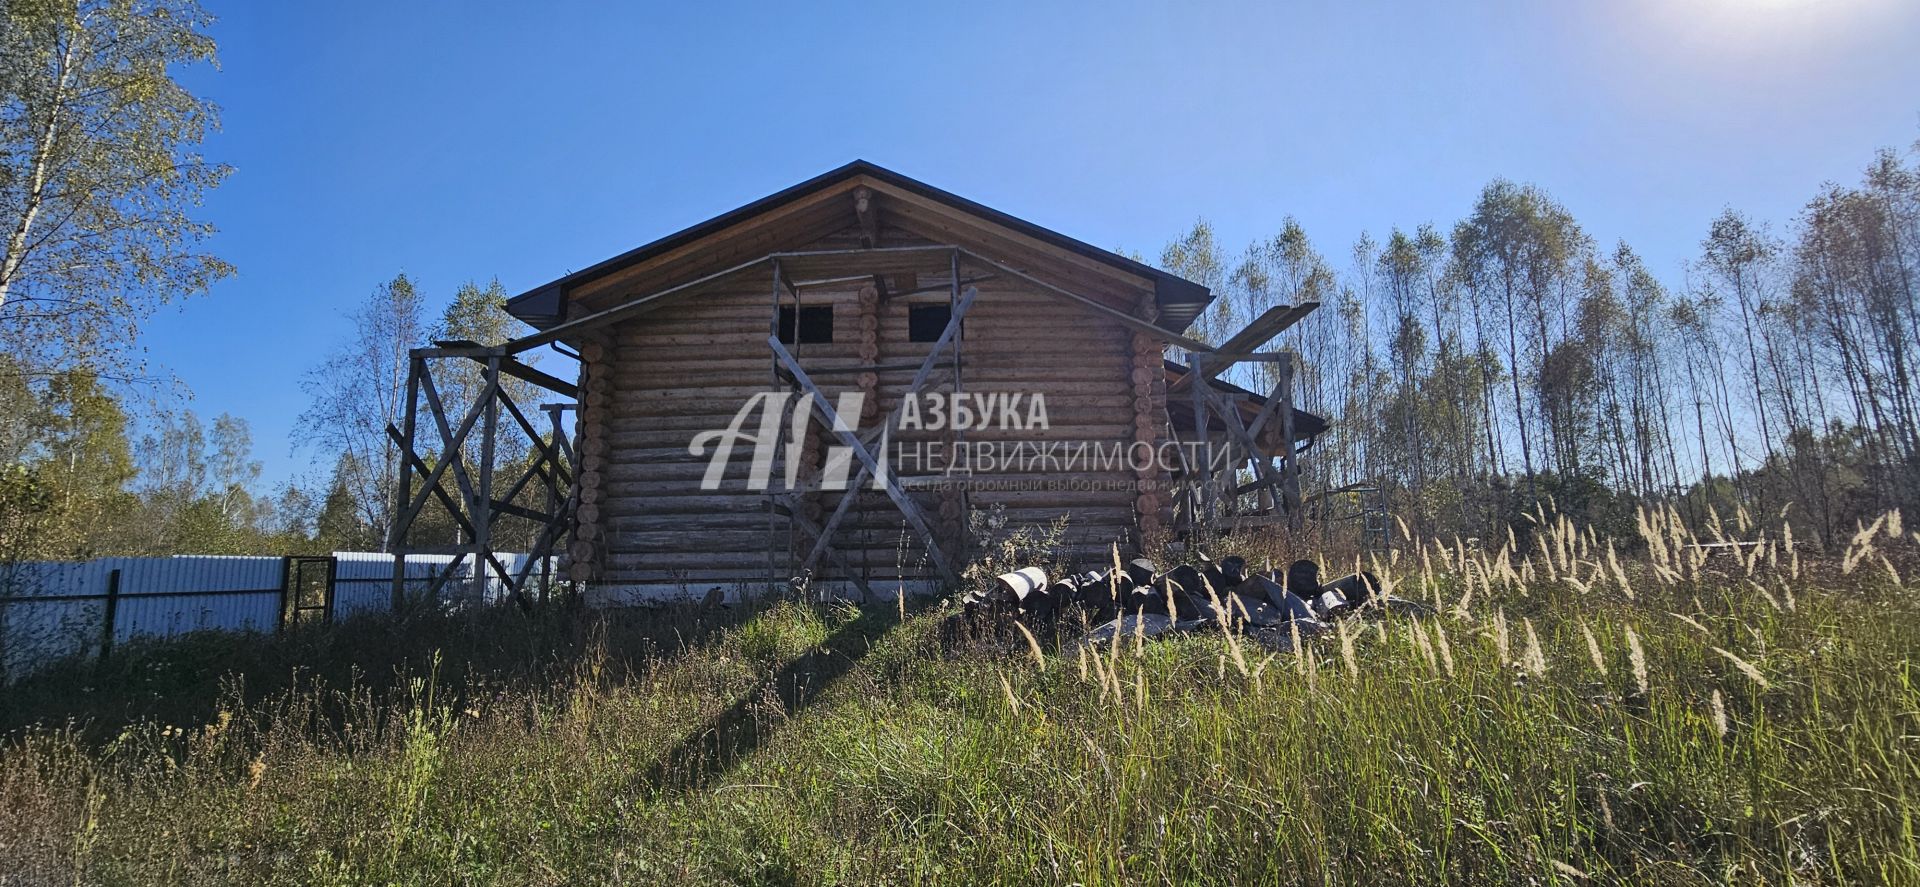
(1262, 329)
(527, 373)
(542, 548)
(1290, 469)
(1239, 347)
(948, 336)
(450, 443)
(818, 260)
(823, 535)
(839, 560)
(619, 312)
(397, 531)
(1200, 435)
(1230, 415)
(1282, 390)
(869, 368)
(839, 429)
(941, 287)
(811, 264)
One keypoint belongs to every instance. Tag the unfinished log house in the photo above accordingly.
(872, 303)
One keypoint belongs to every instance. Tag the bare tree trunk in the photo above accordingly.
(38, 167)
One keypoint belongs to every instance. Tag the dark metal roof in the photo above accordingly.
(1180, 300)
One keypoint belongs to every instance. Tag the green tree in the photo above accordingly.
(341, 523)
(1197, 256)
(234, 473)
(1518, 246)
(479, 314)
(196, 488)
(86, 466)
(21, 419)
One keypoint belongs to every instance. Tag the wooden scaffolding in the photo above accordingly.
(464, 443)
(458, 442)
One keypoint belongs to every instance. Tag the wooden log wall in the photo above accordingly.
(587, 549)
(690, 366)
(686, 369)
(1154, 504)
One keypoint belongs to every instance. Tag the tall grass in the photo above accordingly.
(1693, 713)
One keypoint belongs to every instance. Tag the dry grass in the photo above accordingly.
(1557, 724)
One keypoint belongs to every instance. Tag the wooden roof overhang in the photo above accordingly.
(855, 195)
(1306, 426)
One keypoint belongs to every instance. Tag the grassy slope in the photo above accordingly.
(834, 745)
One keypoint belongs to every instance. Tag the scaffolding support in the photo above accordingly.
(542, 493)
(448, 451)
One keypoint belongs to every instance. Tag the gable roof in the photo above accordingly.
(1179, 300)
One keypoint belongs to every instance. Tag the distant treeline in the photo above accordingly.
(1471, 372)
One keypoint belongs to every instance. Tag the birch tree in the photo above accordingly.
(357, 391)
(99, 174)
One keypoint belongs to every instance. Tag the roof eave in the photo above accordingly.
(544, 305)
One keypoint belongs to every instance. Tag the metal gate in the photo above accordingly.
(309, 590)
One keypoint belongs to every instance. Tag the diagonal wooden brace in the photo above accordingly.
(1237, 428)
(947, 337)
(1281, 394)
(785, 507)
(908, 508)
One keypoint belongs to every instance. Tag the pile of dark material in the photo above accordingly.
(1139, 598)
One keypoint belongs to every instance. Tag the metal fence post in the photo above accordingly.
(333, 577)
(286, 582)
(107, 621)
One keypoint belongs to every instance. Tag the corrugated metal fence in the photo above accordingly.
(53, 609)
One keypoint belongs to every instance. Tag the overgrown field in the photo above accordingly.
(1685, 715)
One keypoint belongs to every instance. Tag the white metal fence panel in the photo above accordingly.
(64, 618)
(363, 581)
(53, 609)
(161, 597)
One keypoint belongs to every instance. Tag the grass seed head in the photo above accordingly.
(1346, 650)
(1593, 649)
(1746, 668)
(1446, 649)
(1536, 657)
(1637, 656)
(1033, 645)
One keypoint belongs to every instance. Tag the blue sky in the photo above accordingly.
(459, 141)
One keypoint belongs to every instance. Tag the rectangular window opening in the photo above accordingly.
(926, 322)
(807, 325)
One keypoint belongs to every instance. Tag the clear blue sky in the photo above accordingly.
(464, 140)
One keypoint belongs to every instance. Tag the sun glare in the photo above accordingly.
(1759, 24)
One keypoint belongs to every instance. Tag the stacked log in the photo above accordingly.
(868, 318)
(588, 547)
(1153, 504)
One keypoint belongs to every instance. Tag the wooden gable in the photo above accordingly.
(829, 209)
